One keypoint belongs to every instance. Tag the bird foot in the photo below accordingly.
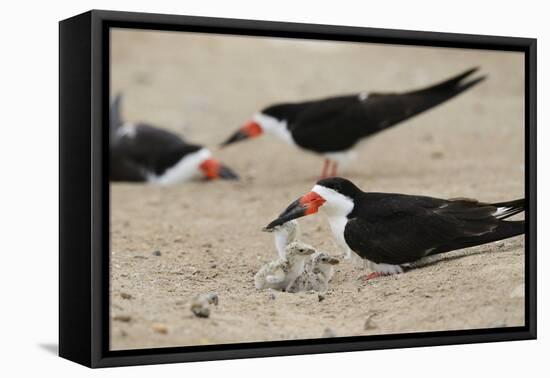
(373, 275)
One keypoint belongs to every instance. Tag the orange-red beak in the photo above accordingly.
(249, 130)
(213, 169)
(305, 205)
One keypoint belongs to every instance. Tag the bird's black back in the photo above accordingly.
(397, 228)
(338, 123)
(151, 149)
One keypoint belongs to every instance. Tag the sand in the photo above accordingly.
(209, 233)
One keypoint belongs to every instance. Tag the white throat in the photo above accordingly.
(273, 126)
(184, 170)
(336, 208)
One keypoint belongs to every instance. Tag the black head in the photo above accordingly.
(341, 185)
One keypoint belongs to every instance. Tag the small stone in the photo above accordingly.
(369, 323)
(157, 253)
(160, 328)
(320, 297)
(329, 332)
(200, 309)
(201, 304)
(212, 298)
(271, 296)
(122, 318)
(125, 296)
(213, 266)
(437, 155)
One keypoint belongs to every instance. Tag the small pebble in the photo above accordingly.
(320, 297)
(200, 309)
(437, 155)
(369, 323)
(157, 253)
(201, 304)
(212, 298)
(329, 332)
(122, 318)
(125, 296)
(160, 328)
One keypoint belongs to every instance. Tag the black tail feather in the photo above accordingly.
(504, 230)
(438, 93)
(454, 82)
(510, 208)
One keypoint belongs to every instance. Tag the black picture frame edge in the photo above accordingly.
(83, 196)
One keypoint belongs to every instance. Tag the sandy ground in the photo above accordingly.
(208, 233)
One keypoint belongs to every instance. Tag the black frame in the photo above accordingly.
(84, 188)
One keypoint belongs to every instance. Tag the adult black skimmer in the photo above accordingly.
(144, 153)
(392, 230)
(333, 126)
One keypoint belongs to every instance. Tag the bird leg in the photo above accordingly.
(334, 168)
(373, 275)
(324, 173)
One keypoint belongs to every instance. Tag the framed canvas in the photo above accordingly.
(183, 139)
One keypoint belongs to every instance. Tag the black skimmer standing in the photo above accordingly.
(144, 153)
(333, 126)
(393, 230)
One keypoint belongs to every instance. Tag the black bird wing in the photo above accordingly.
(338, 123)
(397, 229)
(122, 169)
(151, 148)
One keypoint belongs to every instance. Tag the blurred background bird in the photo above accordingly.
(140, 152)
(332, 127)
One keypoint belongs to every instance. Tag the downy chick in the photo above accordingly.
(281, 273)
(318, 271)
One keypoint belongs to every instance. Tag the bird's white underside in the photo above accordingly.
(273, 126)
(184, 170)
(336, 209)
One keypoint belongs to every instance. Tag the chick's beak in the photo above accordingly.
(250, 130)
(305, 205)
(213, 169)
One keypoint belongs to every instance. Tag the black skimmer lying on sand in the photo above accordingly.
(333, 126)
(144, 153)
(391, 230)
